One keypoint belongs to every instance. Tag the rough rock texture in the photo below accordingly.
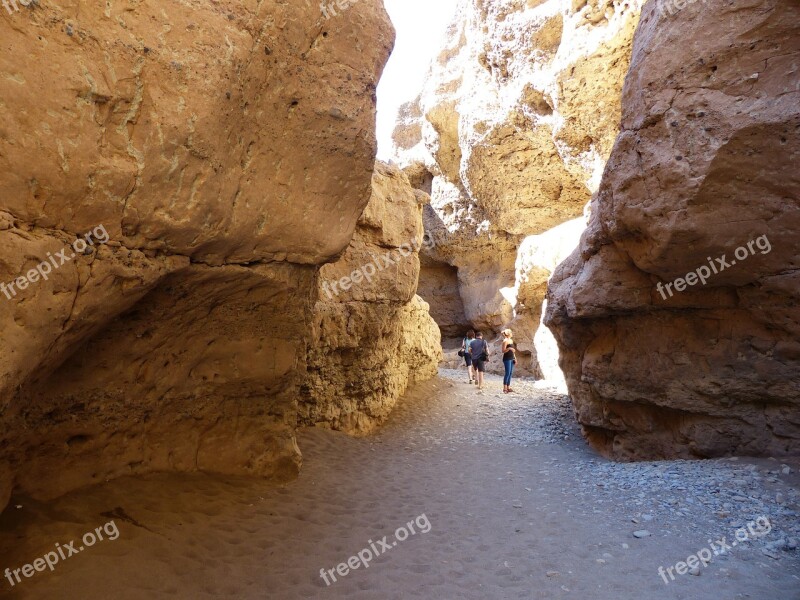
(373, 339)
(537, 349)
(485, 263)
(223, 178)
(538, 257)
(706, 164)
(438, 284)
(510, 135)
(200, 374)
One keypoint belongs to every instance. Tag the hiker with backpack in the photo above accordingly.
(465, 353)
(479, 350)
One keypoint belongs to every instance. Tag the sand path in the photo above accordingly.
(515, 506)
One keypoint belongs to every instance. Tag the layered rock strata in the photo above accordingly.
(372, 336)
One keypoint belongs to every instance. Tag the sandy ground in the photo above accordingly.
(515, 506)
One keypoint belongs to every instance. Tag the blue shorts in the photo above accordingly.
(468, 359)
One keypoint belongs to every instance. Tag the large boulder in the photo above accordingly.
(678, 316)
(218, 153)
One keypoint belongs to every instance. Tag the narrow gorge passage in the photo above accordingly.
(241, 244)
(517, 507)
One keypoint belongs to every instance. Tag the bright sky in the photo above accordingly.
(420, 26)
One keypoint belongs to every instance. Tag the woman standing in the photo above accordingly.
(467, 356)
(509, 359)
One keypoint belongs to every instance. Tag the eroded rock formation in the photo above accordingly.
(225, 154)
(667, 351)
(537, 259)
(510, 135)
(372, 336)
(438, 283)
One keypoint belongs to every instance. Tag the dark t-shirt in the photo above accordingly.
(476, 348)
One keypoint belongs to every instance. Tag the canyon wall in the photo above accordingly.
(677, 317)
(510, 136)
(372, 335)
(217, 159)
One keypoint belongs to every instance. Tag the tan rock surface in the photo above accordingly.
(537, 259)
(438, 284)
(227, 150)
(370, 341)
(199, 375)
(706, 163)
(511, 132)
(175, 135)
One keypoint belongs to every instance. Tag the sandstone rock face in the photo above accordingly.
(511, 133)
(221, 157)
(537, 259)
(170, 135)
(198, 375)
(704, 169)
(438, 284)
(372, 335)
(483, 264)
(6, 483)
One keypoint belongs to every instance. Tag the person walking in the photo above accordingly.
(467, 356)
(479, 350)
(509, 359)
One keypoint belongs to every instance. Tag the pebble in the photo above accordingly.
(695, 571)
(777, 544)
(641, 533)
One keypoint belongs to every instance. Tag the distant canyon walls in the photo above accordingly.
(678, 317)
(228, 152)
(510, 136)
